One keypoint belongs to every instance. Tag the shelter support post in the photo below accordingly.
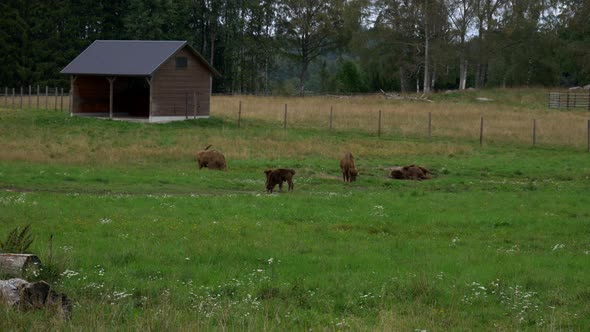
(149, 82)
(111, 83)
(72, 94)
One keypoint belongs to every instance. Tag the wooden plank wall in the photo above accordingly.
(92, 94)
(174, 88)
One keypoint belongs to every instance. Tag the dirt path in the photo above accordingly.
(209, 192)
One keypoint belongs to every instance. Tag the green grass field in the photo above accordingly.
(143, 240)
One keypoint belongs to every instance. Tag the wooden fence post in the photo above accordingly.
(46, 97)
(30, 100)
(240, 114)
(588, 135)
(20, 104)
(481, 132)
(55, 104)
(379, 125)
(13, 104)
(37, 96)
(285, 124)
(61, 103)
(6, 96)
(331, 116)
(534, 132)
(429, 125)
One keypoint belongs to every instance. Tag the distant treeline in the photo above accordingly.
(294, 46)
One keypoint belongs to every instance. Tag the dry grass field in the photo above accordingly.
(455, 119)
(508, 117)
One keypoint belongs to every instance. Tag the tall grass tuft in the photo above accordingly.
(18, 240)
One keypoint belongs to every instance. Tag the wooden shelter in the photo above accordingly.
(156, 81)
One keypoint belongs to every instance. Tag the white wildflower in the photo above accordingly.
(558, 246)
(105, 221)
(69, 273)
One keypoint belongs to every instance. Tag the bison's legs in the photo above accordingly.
(290, 185)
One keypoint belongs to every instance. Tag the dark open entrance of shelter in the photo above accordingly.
(131, 96)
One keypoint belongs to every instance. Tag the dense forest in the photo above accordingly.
(319, 46)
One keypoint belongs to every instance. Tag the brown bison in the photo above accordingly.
(349, 171)
(211, 159)
(411, 172)
(278, 176)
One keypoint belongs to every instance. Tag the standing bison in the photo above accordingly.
(411, 172)
(278, 176)
(211, 159)
(349, 171)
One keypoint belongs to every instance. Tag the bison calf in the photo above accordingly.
(349, 171)
(211, 159)
(278, 176)
(411, 172)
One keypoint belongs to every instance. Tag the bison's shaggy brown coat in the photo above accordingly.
(211, 159)
(278, 176)
(349, 171)
(411, 172)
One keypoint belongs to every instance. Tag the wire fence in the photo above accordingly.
(369, 114)
(569, 100)
(481, 124)
(37, 97)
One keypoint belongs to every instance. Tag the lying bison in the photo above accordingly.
(349, 171)
(211, 159)
(278, 176)
(411, 172)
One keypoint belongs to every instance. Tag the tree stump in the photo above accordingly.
(19, 265)
(9, 291)
(18, 293)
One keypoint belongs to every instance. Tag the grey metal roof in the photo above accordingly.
(127, 57)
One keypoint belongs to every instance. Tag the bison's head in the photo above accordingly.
(267, 173)
(397, 173)
(353, 174)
